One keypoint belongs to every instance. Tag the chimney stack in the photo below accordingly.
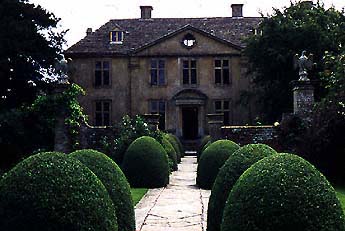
(237, 10)
(88, 31)
(146, 12)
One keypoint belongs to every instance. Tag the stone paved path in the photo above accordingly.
(180, 206)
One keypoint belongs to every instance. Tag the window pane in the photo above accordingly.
(161, 125)
(98, 78)
(226, 78)
(106, 106)
(161, 64)
(154, 77)
(98, 106)
(120, 35)
(226, 105)
(153, 63)
(98, 119)
(225, 63)
(154, 108)
(162, 107)
(106, 78)
(161, 77)
(218, 105)
(226, 118)
(106, 65)
(185, 76)
(217, 63)
(106, 119)
(193, 63)
(193, 76)
(185, 64)
(98, 65)
(218, 76)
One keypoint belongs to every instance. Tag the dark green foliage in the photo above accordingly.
(114, 181)
(29, 45)
(204, 148)
(173, 140)
(179, 144)
(129, 130)
(145, 164)
(30, 129)
(204, 141)
(283, 192)
(211, 160)
(50, 191)
(285, 33)
(233, 168)
(171, 154)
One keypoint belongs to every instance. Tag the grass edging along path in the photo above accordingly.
(137, 194)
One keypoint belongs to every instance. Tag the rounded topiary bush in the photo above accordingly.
(180, 146)
(175, 144)
(114, 181)
(145, 163)
(171, 154)
(204, 141)
(211, 160)
(49, 191)
(283, 192)
(229, 173)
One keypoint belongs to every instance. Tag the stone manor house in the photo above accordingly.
(180, 68)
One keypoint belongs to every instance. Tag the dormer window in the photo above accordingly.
(116, 37)
(189, 41)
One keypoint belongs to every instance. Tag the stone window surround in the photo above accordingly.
(222, 109)
(222, 59)
(157, 71)
(102, 112)
(189, 59)
(102, 85)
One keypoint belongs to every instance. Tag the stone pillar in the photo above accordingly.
(62, 140)
(152, 120)
(303, 98)
(215, 123)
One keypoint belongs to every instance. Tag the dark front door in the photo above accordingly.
(190, 123)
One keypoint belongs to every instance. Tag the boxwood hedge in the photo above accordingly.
(114, 181)
(145, 163)
(49, 191)
(232, 169)
(283, 192)
(211, 160)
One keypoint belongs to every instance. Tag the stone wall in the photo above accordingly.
(252, 134)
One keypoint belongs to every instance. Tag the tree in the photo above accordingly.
(286, 32)
(29, 46)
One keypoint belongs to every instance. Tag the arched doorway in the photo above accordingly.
(190, 113)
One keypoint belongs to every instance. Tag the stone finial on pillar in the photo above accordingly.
(215, 123)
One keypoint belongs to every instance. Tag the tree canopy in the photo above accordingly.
(287, 32)
(30, 42)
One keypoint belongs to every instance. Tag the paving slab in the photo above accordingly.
(179, 206)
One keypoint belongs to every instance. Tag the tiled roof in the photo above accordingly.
(142, 32)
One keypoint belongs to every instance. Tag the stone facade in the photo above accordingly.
(202, 44)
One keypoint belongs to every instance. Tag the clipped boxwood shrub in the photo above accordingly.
(180, 146)
(283, 192)
(49, 191)
(171, 138)
(211, 160)
(171, 154)
(146, 164)
(114, 181)
(229, 173)
(207, 140)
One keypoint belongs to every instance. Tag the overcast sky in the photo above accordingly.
(78, 15)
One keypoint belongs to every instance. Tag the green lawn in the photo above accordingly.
(341, 196)
(137, 194)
